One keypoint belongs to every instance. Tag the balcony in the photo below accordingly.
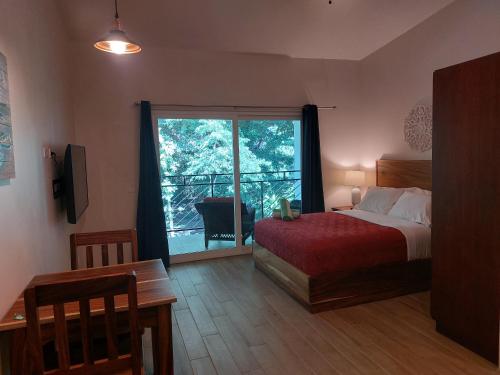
(260, 190)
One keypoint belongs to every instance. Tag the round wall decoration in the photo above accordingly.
(418, 128)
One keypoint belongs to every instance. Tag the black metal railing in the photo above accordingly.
(261, 190)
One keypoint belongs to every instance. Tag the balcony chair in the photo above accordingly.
(218, 219)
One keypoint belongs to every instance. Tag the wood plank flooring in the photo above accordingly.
(231, 319)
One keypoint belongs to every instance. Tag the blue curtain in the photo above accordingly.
(151, 226)
(312, 179)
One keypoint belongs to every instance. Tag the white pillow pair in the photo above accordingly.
(379, 200)
(411, 204)
(416, 207)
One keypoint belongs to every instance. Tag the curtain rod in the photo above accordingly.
(231, 106)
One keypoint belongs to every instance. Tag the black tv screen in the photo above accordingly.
(75, 182)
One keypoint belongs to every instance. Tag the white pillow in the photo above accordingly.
(417, 190)
(379, 199)
(414, 207)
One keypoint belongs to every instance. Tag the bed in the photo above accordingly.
(337, 259)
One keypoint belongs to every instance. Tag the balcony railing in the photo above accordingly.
(261, 190)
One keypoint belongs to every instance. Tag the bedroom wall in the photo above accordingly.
(399, 75)
(33, 229)
(107, 123)
(333, 82)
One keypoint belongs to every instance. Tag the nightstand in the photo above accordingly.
(342, 208)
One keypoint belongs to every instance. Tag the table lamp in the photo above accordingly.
(355, 179)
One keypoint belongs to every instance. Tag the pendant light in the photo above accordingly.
(116, 41)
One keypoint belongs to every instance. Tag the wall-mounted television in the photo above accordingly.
(75, 182)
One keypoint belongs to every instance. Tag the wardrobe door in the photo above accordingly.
(466, 205)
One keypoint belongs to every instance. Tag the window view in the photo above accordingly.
(196, 161)
(269, 163)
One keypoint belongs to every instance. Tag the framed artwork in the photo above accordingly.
(7, 169)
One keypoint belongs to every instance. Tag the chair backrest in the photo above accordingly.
(104, 239)
(225, 202)
(218, 216)
(57, 294)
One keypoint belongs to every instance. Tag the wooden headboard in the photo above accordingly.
(405, 173)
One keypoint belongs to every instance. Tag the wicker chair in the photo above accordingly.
(218, 219)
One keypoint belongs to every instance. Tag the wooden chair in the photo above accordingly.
(104, 239)
(106, 287)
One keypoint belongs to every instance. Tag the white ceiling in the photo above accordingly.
(347, 29)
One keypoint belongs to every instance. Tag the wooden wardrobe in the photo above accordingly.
(465, 295)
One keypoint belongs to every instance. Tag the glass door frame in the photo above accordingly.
(234, 114)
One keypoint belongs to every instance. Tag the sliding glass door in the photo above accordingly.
(269, 163)
(222, 172)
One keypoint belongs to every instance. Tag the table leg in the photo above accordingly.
(18, 352)
(162, 342)
(154, 346)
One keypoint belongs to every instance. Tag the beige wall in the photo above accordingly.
(333, 82)
(106, 87)
(33, 233)
(399, 75)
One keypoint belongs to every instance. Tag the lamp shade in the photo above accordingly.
(354, 178)
(117, 42)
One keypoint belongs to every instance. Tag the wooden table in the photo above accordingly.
(154, 295)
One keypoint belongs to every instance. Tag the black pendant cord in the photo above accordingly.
(116, 9)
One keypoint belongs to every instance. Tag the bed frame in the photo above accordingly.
(341, 289)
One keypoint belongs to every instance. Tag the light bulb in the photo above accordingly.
(118, 47)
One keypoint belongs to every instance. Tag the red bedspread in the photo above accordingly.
(329, 242)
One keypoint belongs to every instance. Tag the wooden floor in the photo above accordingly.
(192, 243)
(230, 319)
